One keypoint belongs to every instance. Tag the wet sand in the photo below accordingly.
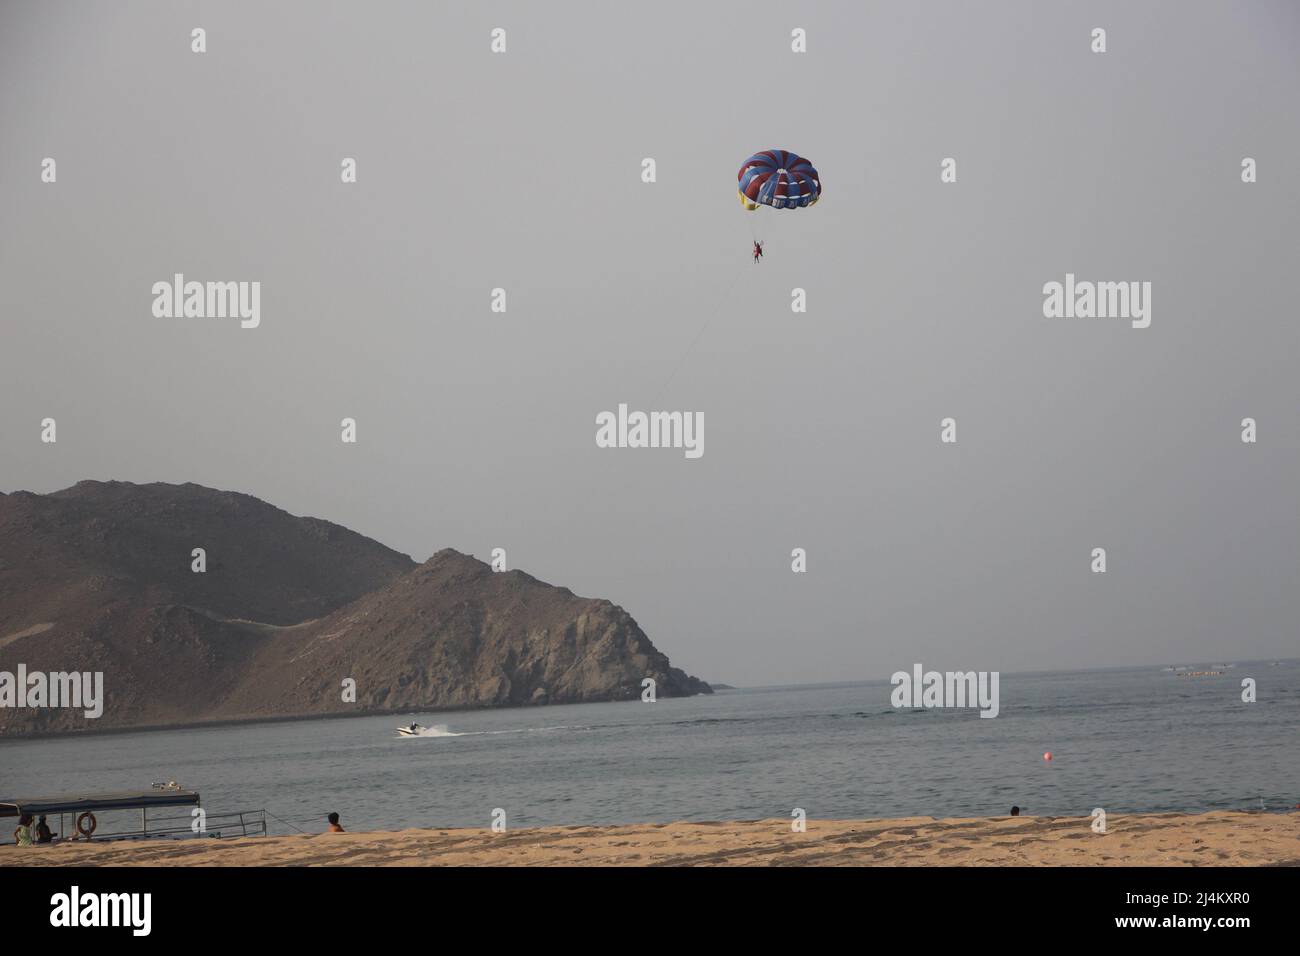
(1168, 839)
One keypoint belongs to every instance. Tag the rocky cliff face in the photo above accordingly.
(452, 634)
(97, 543)
(97, 578)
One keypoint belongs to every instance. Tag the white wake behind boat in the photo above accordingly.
(410, 730)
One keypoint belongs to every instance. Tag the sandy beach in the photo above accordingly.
(1169, 839)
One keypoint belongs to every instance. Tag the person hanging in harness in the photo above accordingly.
(758, 251)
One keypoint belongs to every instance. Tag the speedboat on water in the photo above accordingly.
(410, 730)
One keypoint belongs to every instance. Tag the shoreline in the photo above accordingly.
(16, 736)
(68, 734)
(1217, 838)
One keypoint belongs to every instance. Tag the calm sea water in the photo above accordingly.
(1125, 740)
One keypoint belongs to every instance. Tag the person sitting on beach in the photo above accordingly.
(335, 826)
(23, 835)
(43, 834)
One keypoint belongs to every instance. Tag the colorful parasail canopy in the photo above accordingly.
(780, 179)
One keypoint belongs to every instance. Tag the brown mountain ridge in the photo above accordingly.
(97, 577)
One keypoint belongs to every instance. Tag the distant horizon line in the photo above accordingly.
(1227, 662)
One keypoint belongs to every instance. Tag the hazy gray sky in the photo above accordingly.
(522, 170)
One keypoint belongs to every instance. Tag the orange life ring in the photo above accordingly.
(84, 830)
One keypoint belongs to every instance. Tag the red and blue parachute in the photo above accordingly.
(780, 179)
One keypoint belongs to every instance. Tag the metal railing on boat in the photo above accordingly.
(239, 823)
(81, 810)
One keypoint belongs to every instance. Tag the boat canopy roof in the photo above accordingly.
(76, 803)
